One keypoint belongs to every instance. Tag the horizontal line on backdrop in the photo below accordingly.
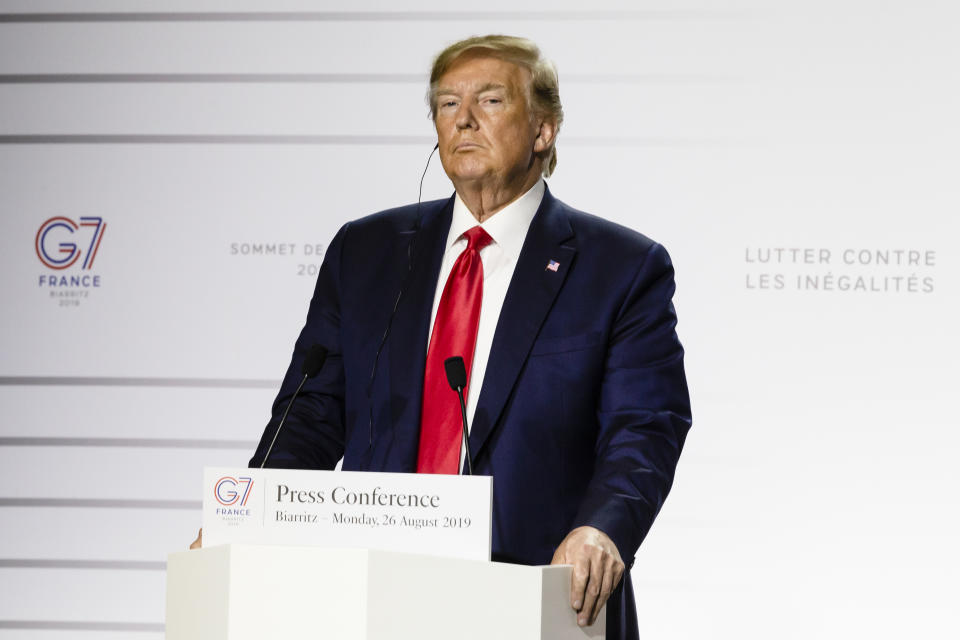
(102, 503)
(124, 565)
(320, 140)
(214, 139)
(240, 78)
(329, 78)
(373, 16)
(80, 625)
(95, 381)
(128, 443)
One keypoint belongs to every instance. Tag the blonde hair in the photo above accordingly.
(544, 90)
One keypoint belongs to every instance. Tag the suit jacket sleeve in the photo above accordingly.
(313, 436)
(643, 411)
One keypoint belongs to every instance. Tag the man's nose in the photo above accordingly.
(465, 119)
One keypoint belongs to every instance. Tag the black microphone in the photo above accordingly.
(312, 364)
(316, 357)
(457, 378)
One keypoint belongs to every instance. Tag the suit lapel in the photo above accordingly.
(529, 298)
(408, 337)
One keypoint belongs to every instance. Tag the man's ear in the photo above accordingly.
(545, 136)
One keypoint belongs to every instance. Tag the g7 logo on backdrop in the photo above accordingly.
(57, 241)
(226, 493)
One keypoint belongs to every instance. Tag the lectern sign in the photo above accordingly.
(443, 515)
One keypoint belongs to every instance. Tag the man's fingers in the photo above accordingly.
(558, 556)
(592, 590)
(606, 588)
(597, 570)
(578, 582)
(198, 543)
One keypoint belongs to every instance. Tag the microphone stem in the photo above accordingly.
(466, 434)
(280, 426)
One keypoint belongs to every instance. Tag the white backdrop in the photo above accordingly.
(816, 495)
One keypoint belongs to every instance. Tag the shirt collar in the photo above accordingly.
(508, 227)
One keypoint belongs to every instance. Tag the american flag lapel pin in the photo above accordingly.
(553, 265)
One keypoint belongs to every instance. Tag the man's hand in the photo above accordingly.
(597, 569)
(196, 544)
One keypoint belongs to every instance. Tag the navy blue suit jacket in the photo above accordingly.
(584, 406)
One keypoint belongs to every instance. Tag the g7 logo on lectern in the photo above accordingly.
(57, 238)
(227, 493)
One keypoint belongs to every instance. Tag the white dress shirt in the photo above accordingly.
(508, 228)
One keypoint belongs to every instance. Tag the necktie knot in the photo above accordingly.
(477, 238)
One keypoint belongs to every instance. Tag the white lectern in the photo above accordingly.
(252, 592)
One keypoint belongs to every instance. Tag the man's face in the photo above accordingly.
(485, 128)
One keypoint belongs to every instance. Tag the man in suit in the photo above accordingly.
(576, 398)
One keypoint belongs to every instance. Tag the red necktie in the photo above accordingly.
(454, 334)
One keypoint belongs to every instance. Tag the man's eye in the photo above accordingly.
(449, 103)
